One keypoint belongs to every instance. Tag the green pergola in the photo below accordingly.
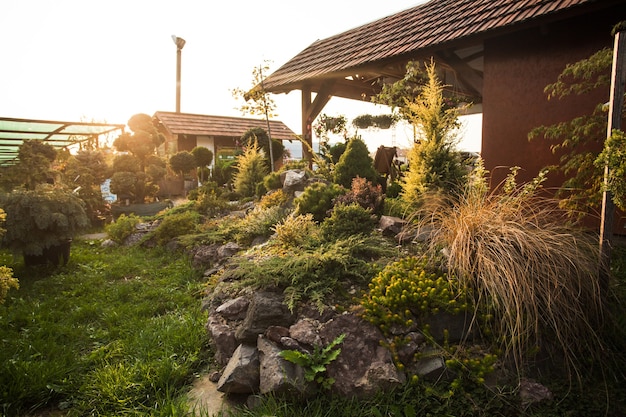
(13, 132)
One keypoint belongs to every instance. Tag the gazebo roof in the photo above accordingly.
(205, 125)
(351, 64)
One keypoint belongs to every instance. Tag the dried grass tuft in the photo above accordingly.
(537, 273)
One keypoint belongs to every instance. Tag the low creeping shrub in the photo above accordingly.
(124, 226)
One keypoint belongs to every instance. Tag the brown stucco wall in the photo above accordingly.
(517, 69)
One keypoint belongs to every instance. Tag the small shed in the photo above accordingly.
(220, 134)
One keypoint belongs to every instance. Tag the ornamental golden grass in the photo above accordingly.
(527, 265)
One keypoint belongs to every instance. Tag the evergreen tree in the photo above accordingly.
(355, 161)
(251, 169)
(434, 162)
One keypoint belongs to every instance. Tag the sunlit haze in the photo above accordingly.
(74, 60)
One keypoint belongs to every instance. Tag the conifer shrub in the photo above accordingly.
(258, 223)
(317, 199)
(297, 231)
(347, 220)
(355, 161)
(274, 198)
(41, 219)
(177, 224)
(124, 226)
(251, 169)
(272, 181)
(364, 194)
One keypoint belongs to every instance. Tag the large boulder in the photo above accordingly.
(277, 375)
(364, 367)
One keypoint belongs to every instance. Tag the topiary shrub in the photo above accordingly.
(348, 220)
(317, 199)
(272, 181)
(124, 226)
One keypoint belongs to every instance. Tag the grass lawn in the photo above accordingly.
(115, 332)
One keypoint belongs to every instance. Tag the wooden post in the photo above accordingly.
(616, 101)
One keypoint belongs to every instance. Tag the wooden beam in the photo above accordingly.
(468, 76)
(616, 104)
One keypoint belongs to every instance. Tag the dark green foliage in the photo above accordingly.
(126, 163)
(272, 181)
(315, 363)
(141, 162)
(85, 172)
(34, 166)
(224, 170)
(319, 273)
(355, 161)
(317, 199)
(364, 194)
(348, 220)
(177, 224)
(183, 162)
(42, 218)
(204, 157)
(260, 136)
(336, 151)
(124, 226)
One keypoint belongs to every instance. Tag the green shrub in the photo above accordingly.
(124, 226)
(348, 220)
(272, 181)
(317, 199)
(297, 231)
(274, 198)
(355, 161)
(258, 223)
(177, 224)
(393, 189)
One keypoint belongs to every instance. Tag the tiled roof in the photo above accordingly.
(434, 25)
(204, 125)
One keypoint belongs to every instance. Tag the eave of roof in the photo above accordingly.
(423, 29)
(206, 125)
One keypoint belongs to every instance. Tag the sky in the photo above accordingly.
(95, 60)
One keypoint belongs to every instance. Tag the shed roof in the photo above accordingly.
(13, 132)
(205, 125)
(358, 58)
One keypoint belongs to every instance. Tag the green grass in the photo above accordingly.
(116, 331)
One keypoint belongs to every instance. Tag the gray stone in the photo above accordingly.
(241, 375)
(430, 367)
(223, 340)
(277, 375)
(227, 250)
(266, 309)
(275, 333)
(109, 243)
(234, 309)
(532, 392)
(204, 256)
(363, 367)
(306, 331)
(390, 225)
(293, 180)
(457, 326)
